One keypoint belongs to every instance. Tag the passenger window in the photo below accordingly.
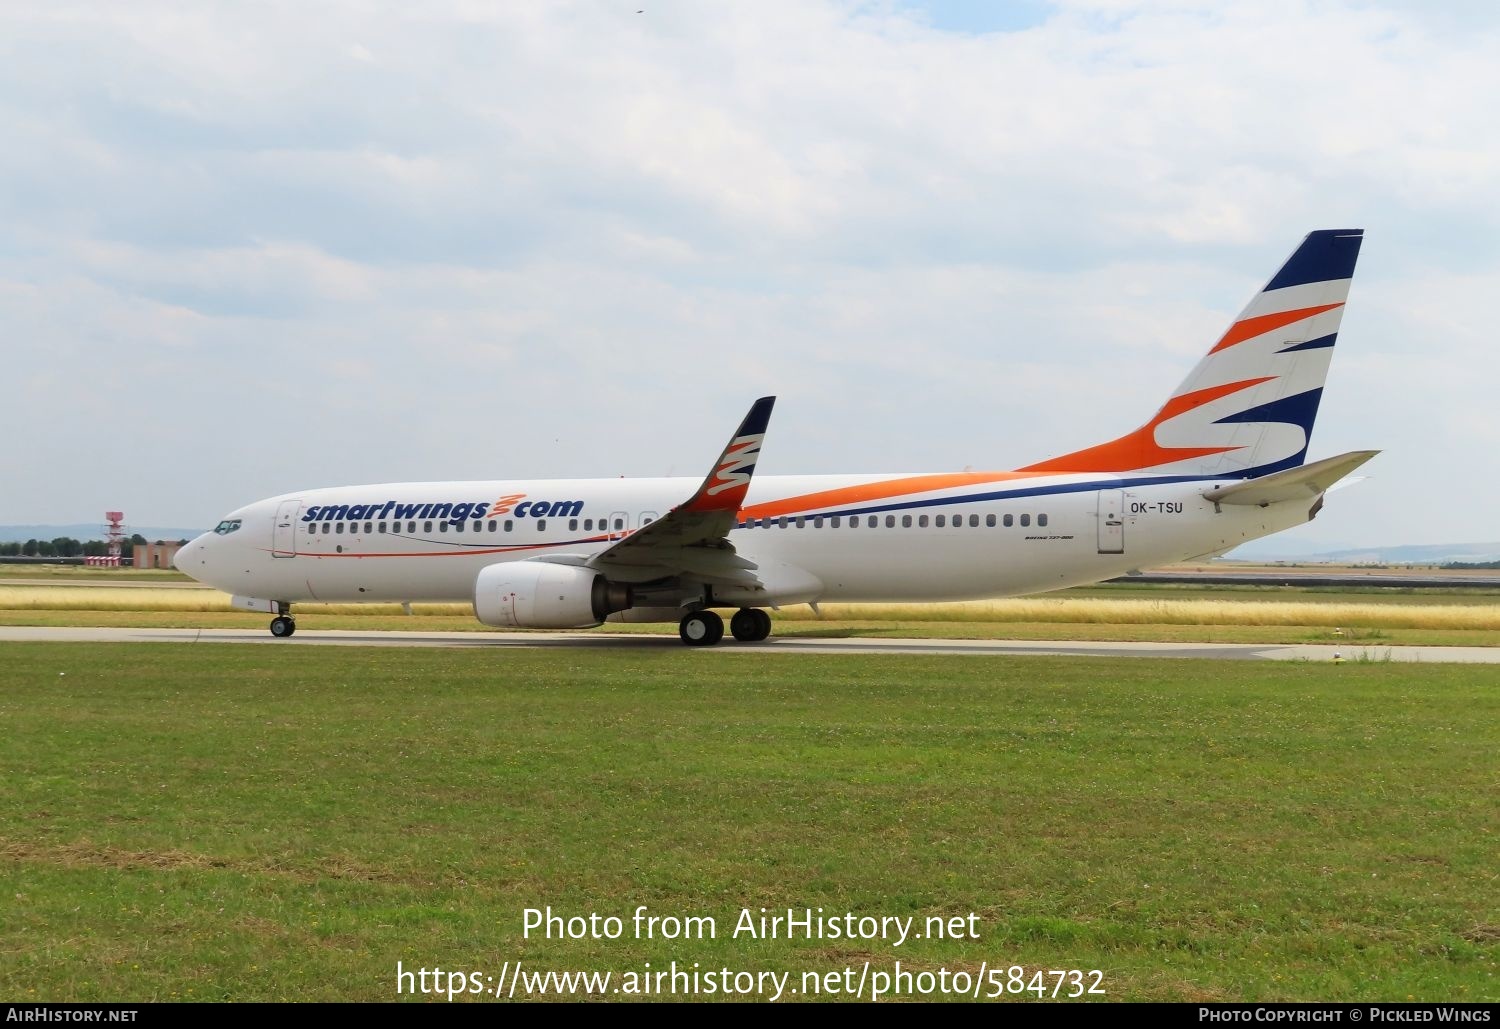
(940, 521)
(588, 525)
(340, 527)
(783, 521)
(801, 522)
(833, 522)
(380, 527)
(906, 521)
(459, 526)
(1041, 519)
(1010, 520)
(854, 522)
(478, 526)
(369, 528)
(973, 521)
(572, 524)
(1025, 520)
(327, 528)
(508, 524)
(890, 521)
(541, 526)
(492, 526)
(426, 526)
(989, 520)
(817, 521)
(411, 527)
(442, 526)
(922, 522)
(619, 524)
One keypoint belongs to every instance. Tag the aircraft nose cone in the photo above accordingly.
(189, 558)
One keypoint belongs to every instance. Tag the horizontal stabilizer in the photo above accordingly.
(1303, 482)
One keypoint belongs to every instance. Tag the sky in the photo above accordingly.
(257, 247)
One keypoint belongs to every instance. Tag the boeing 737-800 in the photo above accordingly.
(1223, 461)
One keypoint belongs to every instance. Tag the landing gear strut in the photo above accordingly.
(750, 625)
(283, 625)
(701, 629)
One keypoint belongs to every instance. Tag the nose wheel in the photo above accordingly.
(283, 626)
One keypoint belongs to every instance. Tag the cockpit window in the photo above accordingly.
(227, 526)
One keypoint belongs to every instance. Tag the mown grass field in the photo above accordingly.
(248, 822)
(1131, 613)
(68, 573)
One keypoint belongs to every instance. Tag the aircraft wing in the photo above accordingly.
(693, 537)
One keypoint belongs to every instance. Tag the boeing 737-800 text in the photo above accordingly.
(1222, 462)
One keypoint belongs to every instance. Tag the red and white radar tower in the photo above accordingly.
(114, 534)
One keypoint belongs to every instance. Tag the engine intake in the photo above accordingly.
(539, 595)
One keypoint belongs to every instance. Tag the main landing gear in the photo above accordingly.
(750, 625)
(705, 628)
(701, 628)
(283, 625)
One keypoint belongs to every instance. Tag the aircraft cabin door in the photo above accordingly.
(1111, 521)
(284, 535)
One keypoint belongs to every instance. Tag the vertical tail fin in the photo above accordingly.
(1247, 409)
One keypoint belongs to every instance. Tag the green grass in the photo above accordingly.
(63, 573)
(830, 628)
(268, 823)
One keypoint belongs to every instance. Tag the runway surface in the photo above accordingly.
(804, 645)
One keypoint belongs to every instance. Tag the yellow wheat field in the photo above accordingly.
(1062, 610)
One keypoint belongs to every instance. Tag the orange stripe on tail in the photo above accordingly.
(1259, 326)
(1139, 449)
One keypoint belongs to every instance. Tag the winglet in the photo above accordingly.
(727, 484)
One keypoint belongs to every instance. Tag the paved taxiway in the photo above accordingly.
(803, 645)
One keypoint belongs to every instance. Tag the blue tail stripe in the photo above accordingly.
(1324, 255)
(1312, 344)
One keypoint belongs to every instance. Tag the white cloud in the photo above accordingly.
(362, 241)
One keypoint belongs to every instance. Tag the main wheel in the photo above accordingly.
(282, 627)
(763, 620)
(750, 625)
(701, 629)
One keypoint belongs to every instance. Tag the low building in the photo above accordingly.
(154, 555)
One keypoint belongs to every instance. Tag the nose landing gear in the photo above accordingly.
(283, 625)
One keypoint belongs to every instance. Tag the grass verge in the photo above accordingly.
(261, 823)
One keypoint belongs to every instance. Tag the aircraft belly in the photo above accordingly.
(387, 579)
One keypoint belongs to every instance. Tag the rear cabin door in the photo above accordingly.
(1111, 521)
(284, 535)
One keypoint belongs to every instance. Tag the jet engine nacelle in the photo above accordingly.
(539, 595)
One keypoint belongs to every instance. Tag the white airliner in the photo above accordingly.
(1222, 462)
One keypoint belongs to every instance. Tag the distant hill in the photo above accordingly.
(87, 531)
(1401, 554)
